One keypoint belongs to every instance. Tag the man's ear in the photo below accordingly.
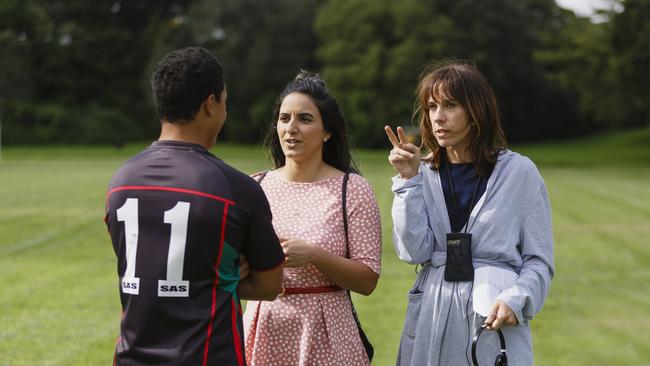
(210, 104)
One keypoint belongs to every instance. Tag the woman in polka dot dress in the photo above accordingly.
(312, 322)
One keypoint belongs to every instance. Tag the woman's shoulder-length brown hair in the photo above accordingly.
(463, 82)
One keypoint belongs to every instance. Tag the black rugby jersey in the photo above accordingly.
(179, 218)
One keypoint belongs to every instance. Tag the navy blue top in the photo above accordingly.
(464, 178)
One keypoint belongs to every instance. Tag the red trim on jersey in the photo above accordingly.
(117, 340)
(170, 189)
(213, 311)
(235, 332)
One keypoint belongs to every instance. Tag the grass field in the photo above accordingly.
(59, 297)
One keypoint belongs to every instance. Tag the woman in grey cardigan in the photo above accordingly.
(476, 217)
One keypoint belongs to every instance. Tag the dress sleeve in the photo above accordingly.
(412, 235)
(364, 224)
(531, 288)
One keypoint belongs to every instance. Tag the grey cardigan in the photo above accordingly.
(511, 228)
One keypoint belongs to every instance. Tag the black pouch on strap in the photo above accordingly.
(459, 257)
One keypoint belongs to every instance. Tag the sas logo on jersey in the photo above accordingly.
(131, 285)
(173, 288)
(165, 288)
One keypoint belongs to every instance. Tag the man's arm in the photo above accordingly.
(262, 255)
(261, 285)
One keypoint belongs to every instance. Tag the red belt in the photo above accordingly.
(309, 290)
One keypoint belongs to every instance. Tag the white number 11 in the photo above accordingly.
(177, 217)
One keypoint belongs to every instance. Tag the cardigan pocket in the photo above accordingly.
(412, 312)
(415, 300)
(405, 354)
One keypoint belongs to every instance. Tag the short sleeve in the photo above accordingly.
(364, 223)
(261, 245)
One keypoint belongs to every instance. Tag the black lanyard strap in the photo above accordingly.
(453, 198)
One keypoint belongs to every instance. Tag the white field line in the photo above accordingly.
(40, 239)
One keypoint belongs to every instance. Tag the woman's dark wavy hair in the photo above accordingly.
(463, 82)
(337, 149)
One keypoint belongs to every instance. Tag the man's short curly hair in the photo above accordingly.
(182, 80)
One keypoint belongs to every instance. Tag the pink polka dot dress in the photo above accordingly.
(314, 329)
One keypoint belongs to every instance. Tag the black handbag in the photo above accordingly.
(370, 350)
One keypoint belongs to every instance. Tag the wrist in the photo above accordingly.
(406, 176)
(315, 255)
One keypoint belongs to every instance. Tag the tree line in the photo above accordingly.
(76, 71)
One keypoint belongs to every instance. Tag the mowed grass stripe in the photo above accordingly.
(598, 256)
(578, 200)
(46, 238)
(64, 306)
(611, 198)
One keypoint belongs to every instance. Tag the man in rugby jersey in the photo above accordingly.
(179, 219)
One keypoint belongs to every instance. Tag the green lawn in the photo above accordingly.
(59, 298)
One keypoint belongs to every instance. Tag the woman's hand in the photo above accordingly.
(244, 269)
(297, 252)
(405, 156)
(500, 315)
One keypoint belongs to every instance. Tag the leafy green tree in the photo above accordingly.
(578, 59)
(502, 37)
(262, 46)
(604, 65)
(372, 52)
(24, 24)
(630, 45)
(73, 71)
(266, 44)
(83, 62)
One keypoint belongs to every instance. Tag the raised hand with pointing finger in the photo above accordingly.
(405, 156)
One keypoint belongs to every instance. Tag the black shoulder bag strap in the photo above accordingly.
(259, 179)
(370, 351)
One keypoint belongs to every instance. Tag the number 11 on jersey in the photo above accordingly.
(177, 217)
(174, 286)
